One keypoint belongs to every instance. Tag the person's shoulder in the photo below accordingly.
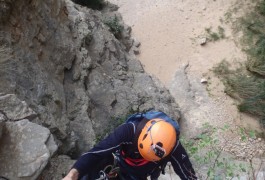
(127, 127)
(125, 130)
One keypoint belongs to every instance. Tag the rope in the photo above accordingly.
(110, 171)
(102, 176)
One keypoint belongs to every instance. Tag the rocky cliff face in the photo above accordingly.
(66, 81)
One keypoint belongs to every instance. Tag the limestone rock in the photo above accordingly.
(204, 80)
(202, 41)
(14, 108)
(69, 73)
(32, 146)
(58, 168)
(1, 124)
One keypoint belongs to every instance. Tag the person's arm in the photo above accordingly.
(122, 134)
(181, 163)
(72, 175)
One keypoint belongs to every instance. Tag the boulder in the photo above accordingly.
(14, 108)
(25, 150)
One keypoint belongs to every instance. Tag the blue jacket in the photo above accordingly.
(121, 139)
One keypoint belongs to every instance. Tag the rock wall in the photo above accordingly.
(26, 147)
(61, 68)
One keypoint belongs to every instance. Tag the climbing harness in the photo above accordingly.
(110, 171)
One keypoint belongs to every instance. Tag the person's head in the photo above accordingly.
(156, 140)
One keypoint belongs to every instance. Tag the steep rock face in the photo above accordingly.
(38, 45)
(26, 147)
(106, 82)
(76, 78)
(25, 150)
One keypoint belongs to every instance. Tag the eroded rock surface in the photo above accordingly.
(63, 69)
(26, 147)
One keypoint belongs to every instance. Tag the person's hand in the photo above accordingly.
(72, 175)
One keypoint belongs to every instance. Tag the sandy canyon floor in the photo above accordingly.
(171, 33)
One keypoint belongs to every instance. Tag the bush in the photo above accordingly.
(115, 26)
(248, 84)
(261, 8)
(256, 60)
(206, 150)
(248, 89)
(215, 36)
(94, 4)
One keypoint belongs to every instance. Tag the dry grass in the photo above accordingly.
(247, 84)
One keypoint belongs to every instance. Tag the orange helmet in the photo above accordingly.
(156, 140)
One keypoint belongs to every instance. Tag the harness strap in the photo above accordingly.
(134, 162)
(138, 130)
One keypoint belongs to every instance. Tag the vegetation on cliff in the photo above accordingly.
(246, 83)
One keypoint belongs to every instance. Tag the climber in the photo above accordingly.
(143, 146)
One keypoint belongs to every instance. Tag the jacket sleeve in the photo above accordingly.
(104, 149)
(181, 163)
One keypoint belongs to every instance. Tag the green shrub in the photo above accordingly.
(206, 151)
(248, 84)
(215, 36)
(94, 4)
(248, 89)
(255, 104)
(222, 68)
(256, 59)
(115, 26)
(261, 8)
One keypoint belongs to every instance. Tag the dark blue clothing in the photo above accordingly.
(123, 139)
